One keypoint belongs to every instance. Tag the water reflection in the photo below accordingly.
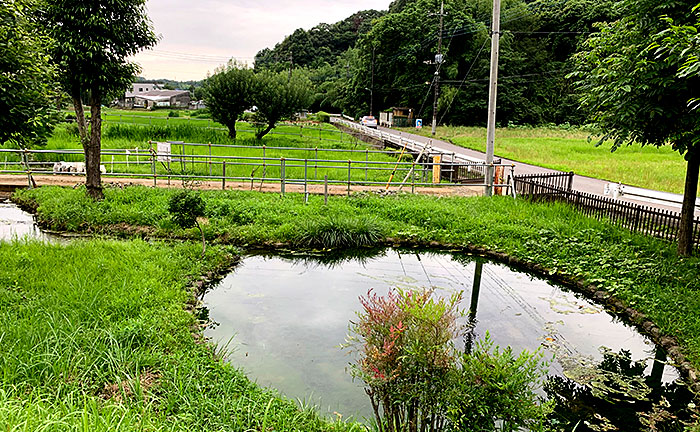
(17, 224)
(616, 394)
(287, 315)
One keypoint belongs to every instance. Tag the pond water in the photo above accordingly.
(16, 223)
(283, 320)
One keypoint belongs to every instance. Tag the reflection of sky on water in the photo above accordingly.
(285, 320)
(15, 223)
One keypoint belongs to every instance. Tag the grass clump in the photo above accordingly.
(96, 337)
(339, 232)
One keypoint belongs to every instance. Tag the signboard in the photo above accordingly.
(419, 123)
(163, 149)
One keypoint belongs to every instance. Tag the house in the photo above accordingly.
(397, 116)
(162, 99)
(136, 88)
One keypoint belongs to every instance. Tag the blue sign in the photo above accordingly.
(419, 123)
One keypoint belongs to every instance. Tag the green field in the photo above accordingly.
(300, 144)
(570, 150)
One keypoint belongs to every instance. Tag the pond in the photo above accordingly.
(283, 320)
(16, 223)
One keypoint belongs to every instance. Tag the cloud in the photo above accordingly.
(196, 37)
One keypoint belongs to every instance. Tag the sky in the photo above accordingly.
(197, 36)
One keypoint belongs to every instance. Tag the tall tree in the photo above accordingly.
(26, 78)
(228, 93)
(635, 95)
(280, 95)
(92, 41)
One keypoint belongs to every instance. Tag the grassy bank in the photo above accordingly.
(96, 337)
(569, 150)
(643, 272)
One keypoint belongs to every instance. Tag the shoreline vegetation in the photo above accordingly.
(637, 277)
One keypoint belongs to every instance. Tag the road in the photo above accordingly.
(581, 183)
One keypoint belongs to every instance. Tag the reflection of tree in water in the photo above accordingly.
(617, 396)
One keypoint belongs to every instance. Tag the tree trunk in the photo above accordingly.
(232, 129)
(80, 120)
(93, 150)
(685, 231)
(265, 131)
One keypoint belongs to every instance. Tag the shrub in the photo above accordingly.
(495, 387)
(185, 207)
(417, 381)
(323, 117)
(173, 114)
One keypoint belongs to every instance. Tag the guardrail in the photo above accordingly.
(462, 168)
(169, 165)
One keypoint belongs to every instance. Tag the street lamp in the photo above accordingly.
(371, 100)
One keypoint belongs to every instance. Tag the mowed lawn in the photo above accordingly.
(570, 150)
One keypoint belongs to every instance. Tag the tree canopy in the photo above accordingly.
(636, 93)
(279, 95)
(228, 93)
(92, 41)
(27, 81)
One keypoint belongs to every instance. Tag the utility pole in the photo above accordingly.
(493, 87)
(438, 64)
(371, 88)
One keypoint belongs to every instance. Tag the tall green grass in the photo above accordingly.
(95, 337)
(571, 150)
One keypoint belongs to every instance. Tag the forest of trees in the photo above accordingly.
(397, 48)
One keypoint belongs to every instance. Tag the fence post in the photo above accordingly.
(26, 166)
(306, 165)
(637, 213)
(366, 163)
(282, 175)
(349, 174)
(316, 163)
(325, 189)
(209, 159)
(571, 181)
(223, 177)
(153, 169)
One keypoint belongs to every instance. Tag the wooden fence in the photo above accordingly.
(637, 218)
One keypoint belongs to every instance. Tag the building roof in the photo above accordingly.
(160, 95)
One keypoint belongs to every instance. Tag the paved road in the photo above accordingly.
(581, 183)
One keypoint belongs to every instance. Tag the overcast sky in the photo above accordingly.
(197, 36)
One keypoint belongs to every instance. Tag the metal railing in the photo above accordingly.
(255, 170)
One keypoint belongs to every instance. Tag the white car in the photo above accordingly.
(369, 121)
